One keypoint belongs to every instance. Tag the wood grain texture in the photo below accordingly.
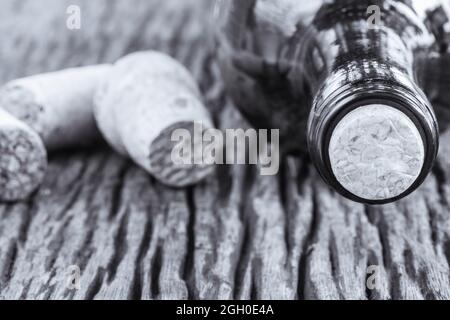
(236, 235)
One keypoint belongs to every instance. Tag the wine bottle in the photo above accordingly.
(345, 78)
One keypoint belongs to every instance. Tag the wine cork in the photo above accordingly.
(376, 152)
(58, 105)
(146, 98)
(23, 159)
(44, 113)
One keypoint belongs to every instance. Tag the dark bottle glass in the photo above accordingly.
(344, 78)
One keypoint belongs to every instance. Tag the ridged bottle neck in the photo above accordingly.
(351, 64)
(339, 96)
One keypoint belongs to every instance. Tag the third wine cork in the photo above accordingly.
(23, 159)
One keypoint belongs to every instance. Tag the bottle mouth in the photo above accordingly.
(376, 152)
(374, 143)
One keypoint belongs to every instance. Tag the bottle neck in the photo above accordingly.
(341, 40)
(350, 65)
(398, 93)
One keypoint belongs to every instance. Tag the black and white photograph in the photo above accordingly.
(224, 150)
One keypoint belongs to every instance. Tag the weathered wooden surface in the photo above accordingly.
(237, 235)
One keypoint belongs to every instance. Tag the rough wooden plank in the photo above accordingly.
(236, 235)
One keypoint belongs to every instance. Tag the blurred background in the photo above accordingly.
(39, 36)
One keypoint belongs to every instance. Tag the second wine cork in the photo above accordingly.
(57, 105)
(146, 98)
